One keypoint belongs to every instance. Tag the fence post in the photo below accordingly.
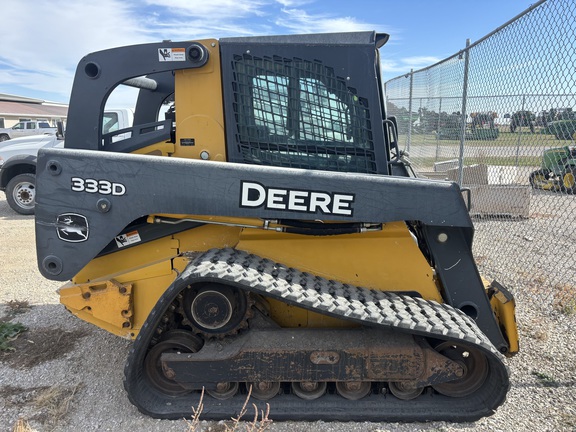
(410, 113)
(520, 132)
(463, 122)
(438, 131)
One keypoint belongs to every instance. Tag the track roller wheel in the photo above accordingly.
(405, 390)
(309, 390)
(264, 390)
(174, 341)
(224, 390)
(353, 390)
(475, 367)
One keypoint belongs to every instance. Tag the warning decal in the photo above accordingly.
(128, 239)
(171, 54)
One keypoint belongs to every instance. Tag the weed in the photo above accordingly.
(540, 335)
(16, 307)
(546, 380)
(256, 425)
(8, 332)
(481, 259)
(259, 423)
(196, 411)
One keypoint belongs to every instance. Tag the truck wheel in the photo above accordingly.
(4, 137)
(21, 193)
(569, 181)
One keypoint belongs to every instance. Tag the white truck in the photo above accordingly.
(18, 159)
(27, 128)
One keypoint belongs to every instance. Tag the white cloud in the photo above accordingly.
(420, 61)
(211, 10)
(392, 68)
(43, 40)
(53, 32)
(299, 21)
(293, 3)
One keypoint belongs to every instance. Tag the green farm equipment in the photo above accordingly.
(482, 126)
(558, 170)
(522, 119)
(561, 129)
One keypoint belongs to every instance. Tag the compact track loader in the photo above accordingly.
(268, 234)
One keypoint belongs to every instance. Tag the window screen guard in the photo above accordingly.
(297, 113)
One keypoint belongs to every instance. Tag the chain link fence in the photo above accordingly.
(499, 118)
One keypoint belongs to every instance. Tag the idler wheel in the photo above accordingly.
(176, 341)
(475, 367)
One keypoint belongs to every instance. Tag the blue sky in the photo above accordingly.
(41, 41)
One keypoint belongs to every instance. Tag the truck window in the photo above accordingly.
(18, 126)
(44, 125)
(110, 122)
(31, 125)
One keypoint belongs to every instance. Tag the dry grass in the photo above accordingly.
(22, 426)
(565, 298)
(16, 307)
(47, 405)
(535, 329)
(259, 423)
(54, 403)
(568, 420)
(481, 259)
(194, 424)
(540, 335)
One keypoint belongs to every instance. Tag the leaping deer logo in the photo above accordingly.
(72, 227)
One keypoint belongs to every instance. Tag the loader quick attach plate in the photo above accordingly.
(371, 308)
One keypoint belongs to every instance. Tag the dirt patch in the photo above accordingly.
(39, 346)
(18, 396)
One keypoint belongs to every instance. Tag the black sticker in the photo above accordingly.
(72, 227)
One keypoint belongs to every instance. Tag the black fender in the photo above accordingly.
(15, 165)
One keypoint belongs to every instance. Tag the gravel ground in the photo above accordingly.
(66, 375)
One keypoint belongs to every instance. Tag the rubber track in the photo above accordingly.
(369, 307)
